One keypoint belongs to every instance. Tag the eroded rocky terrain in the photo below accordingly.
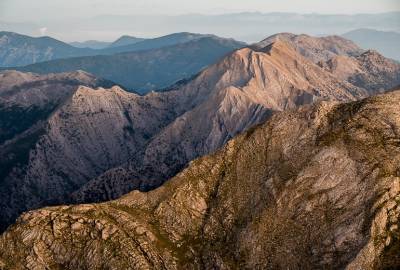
(238, 92)
(312, 188)
(101, 144)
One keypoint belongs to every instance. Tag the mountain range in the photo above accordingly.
(312, 188)
(147, 69)
(246, 26)
(95, 44)
(125, 40)
(92, 44)
(20, 50)
(97, 145)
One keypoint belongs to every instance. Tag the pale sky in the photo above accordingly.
(39, 10)
(79, 20)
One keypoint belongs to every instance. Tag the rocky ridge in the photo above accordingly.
(240, 91)
(314, 48)
(312, 188)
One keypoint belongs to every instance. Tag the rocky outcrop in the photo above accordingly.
(313, 188)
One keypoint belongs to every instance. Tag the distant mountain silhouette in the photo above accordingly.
(151, 69)
(155, 43)
(125, 40)
(245, 26)
(19, 50)
(387, 43)
(92, 44)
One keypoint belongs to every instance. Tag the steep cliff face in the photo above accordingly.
(313, 188)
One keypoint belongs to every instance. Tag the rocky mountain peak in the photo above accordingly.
(278, 45)
(315, 48)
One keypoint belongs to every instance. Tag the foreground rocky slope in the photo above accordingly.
(102, 144)
(316, 188)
